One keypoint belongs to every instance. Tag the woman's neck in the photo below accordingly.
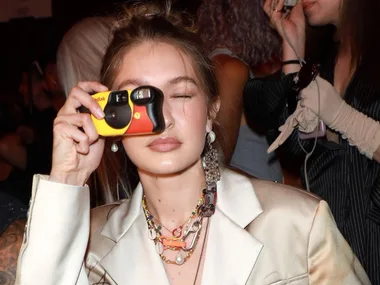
(172, 199)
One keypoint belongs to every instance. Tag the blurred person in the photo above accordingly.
(186, 213)
(344, 166)
(80, 53)
(241, 44)
(26, 147)
(53, 86)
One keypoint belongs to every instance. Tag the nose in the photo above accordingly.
(168, 115)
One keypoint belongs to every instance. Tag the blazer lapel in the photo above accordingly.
(133, 259)
(231, 251)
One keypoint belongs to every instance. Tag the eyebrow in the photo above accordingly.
(180, 79)
(173, 81)
(134, 82)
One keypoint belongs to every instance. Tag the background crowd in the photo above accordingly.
(255, 69)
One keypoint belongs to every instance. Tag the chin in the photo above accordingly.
(167, 167)
(317, 20)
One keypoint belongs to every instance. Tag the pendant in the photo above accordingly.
(179, 260)
(177, 232)
(159, 248)
(152, 234)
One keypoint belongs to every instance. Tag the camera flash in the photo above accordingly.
(143, 94)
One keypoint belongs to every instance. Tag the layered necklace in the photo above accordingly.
(184, 238)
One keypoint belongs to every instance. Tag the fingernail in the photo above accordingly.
(105, 88)
(99, 113)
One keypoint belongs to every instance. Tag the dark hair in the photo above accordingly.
(240, 26)
(140, 23)
(359, 31)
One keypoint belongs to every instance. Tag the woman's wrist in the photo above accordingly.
(76, 179)
(288, 54)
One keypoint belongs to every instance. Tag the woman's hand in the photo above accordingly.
(291, 29)
(77, 153)
(322, 99)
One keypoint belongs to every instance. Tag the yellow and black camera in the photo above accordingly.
(129, 112)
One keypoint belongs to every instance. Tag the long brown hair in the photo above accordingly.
(140, 23)
(359, 31)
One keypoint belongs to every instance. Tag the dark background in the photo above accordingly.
(27, 39)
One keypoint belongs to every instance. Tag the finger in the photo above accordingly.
(302, 103)
(279, 6)
(275, 13)
(71, 132)
(80, 97)
(268, 6)
(81, 121)
(92, 86)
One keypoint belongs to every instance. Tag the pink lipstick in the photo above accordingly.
(165, 144)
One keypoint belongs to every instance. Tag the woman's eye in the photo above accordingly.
(182, 96)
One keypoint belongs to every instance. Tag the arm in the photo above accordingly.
(10, 243)
(56, 237)
(360, 130)
(232, 75)
(330, 258)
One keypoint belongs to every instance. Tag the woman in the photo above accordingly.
(344, 168)
(171, 231)
(241, 44)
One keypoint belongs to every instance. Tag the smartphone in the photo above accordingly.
(288, 4)
(319, 132)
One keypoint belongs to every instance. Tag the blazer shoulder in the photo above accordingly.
(273, 196)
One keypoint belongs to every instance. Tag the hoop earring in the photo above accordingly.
(212, 172)
(114, 147)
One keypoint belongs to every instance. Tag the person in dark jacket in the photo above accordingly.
(344, 166)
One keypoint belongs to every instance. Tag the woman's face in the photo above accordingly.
(184, 108)
(322, 12)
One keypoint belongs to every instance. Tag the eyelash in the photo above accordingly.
(182, 96)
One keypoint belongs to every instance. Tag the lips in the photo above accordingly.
(165, 144)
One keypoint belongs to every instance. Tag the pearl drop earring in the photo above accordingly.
(114, 147)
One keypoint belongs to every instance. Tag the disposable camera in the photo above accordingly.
(129, 112)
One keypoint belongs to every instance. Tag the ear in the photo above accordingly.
(213, 112)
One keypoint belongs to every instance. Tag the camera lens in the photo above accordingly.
(117, 117)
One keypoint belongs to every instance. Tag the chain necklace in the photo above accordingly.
(177, 242)
(201, 254)
(177, 232)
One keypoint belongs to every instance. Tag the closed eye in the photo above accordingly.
(182, 96)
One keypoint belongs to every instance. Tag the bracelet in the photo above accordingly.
(294, 61)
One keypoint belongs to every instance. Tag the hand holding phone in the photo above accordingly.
(288, 18)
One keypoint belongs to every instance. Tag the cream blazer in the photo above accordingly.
(261, 233)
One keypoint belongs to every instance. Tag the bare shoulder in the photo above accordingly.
(230, 66)
(10, 243)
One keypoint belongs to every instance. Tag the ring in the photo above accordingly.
(275, 10)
